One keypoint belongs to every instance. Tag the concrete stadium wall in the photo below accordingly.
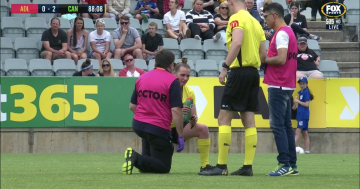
(116, 140)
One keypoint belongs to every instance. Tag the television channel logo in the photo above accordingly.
(333, 11)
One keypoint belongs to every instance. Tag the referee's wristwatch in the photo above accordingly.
(224, 65)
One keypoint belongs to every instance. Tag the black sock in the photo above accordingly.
(224, 166)
(247, 166)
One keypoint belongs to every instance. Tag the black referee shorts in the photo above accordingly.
(175, 135)
(241, 90)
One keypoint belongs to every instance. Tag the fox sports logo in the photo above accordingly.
(333, 9)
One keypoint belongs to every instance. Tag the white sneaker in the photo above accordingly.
(197, 37)
(217, 37)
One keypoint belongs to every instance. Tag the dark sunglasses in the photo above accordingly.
(128, 60)
(225, 8)
(124, 23)
(105, 65)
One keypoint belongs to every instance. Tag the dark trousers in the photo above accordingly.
(161, 150)
(316, 6)
(195, 30)
(298, 30)
(280, 124)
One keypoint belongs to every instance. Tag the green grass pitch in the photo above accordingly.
(77, 171)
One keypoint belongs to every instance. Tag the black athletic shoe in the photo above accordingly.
(208, 167)
(243, 172)
(215, 171)
(130, 158)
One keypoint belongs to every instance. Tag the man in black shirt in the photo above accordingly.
(307, 61)
(152, 42)
(54, 42)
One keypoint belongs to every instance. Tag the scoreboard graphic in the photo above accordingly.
(58, 8)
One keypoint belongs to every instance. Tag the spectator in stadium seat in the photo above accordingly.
(211, 5)
(174, 20)
(130, 70)
(95, 15)
(259, 5)
(268, 32)
(118, 8)
(152, 42)
(201, 22)
(86, 69)
(254, 13)
(222, 19)
(126, 40)
(307, 61)
(146, 9)
(164, 6)
(100, 42)
(106, 69)
(54, 42)
(298, 22)
(77, 47)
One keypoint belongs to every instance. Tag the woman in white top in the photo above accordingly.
(77, 47)
(175, 22)
(100, 42)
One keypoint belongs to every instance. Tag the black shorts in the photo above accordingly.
(175, 135)
(241, 90)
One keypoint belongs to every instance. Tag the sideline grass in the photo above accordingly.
(77, 171)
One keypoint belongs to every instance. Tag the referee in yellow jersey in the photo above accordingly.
(245, 41)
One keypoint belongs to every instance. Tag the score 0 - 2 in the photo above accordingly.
(48, 9)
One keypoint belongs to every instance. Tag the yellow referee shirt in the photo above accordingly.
(253, 36)
(187, 92)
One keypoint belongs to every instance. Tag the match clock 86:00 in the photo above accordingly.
(95, 9)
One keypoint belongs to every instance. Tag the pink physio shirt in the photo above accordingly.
(153, 98)
(282, 75)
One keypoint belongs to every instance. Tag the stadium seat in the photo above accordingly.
(89, 24)
(152, 64)
(173, 46)
(188, 5)
(214, 50)
(112, 44)
(314, 45)
(117, 65)
(7, 49)
(140, 63)
(12, 27)
(2, 70)
(133, 4)
(135, 23)
(352, 12)
(93, 61)
(64, 67)
(160, 26)
(220, 65)
(4, 8)
(206, 68)
(35, 27)
(20, 15)
(64, 23)
(285, 6)
(40, 67)
(191, 64)
(26, 48)
(16, 67)
(110, 24)
(329, 68)
(192, 49)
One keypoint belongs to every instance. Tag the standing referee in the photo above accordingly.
(245, 40)
(156, 101)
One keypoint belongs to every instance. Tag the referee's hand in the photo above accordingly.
(222, 76)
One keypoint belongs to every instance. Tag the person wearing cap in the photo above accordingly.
(86, 69)
(303, 113)
(307, 61)
(156, 101)
(100, 42)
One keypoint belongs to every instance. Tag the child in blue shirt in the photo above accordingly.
(303, 113)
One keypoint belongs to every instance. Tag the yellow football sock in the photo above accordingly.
(204, 147)
(250, 145)
(224, 140)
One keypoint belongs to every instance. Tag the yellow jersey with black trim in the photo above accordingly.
(187, 92)
(252, 38)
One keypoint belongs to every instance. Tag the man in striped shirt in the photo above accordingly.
(201, 22)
